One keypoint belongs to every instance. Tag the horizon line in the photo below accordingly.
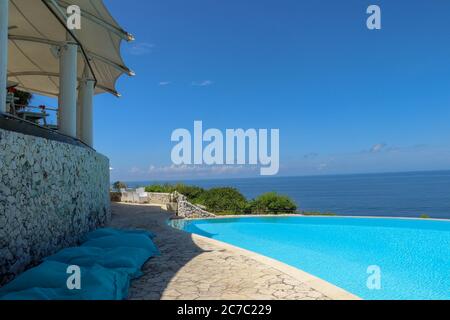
(284, 176)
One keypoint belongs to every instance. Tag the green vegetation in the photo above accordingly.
(424, 216)
(229, 201)
(24, 98)
(193, 193)
(160, 188)
(272, 203)
(118, 185)
(313, 213)
(223, 200)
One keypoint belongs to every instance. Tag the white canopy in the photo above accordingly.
(38, 27)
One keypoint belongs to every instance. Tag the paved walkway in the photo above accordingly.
(192, 267)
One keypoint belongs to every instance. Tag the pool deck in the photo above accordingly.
(193, 267)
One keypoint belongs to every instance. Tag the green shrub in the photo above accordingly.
(160, 188)
(229, 201)
(272, 203)
(424, 216)
(313, 213)
(223, 200)
(191, 192)
(24, 98)
(118, 185)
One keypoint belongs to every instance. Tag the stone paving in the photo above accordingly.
(190, 268)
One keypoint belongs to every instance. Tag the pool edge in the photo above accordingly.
(330, 290)
(218, 217)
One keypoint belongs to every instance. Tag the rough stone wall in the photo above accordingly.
(188, 210)
(174, 202)
(51, 194)
(134, 197)
(191, 211)
(160, 198)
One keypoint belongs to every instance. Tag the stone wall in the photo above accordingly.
(160, 198)
(174, 202)
(185, 209)
(51, 193)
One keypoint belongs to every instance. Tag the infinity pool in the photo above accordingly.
(412, 256)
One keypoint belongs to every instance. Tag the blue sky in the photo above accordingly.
(346, 99)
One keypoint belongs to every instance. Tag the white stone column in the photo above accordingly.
(79, 109)
(85, 104)
(68, 89)
(4, 15)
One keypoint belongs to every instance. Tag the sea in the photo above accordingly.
(406, 194)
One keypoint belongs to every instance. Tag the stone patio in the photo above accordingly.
(196, 268)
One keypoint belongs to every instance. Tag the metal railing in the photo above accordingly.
(38, 114)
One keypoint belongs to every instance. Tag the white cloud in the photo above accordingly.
(200, 169)
(378, 147)
(204, 83)
(141, 48)
(136, 170)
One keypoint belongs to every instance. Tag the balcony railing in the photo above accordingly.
(21, 123)
(38, 115)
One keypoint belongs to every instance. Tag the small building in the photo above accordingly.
(54, 187)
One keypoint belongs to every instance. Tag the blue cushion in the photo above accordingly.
(105, 232)
(128, 260)
(108, 260)
(124, 241)
(48, 281)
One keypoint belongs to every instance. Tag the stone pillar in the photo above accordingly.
(68, 89)
(4, 15)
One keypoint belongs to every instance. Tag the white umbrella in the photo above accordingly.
(37, 27)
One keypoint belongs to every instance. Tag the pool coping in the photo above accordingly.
(291, 215)
(328, 289)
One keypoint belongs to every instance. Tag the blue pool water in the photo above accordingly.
(413, 255)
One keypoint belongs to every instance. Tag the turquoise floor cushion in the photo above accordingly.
(124, 241)
(108, 259)
(48, 281)
(128, 259)
(105, 232)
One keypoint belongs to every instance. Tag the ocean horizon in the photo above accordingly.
(402, 194)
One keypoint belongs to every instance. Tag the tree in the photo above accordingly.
(193, 193)
(119, 185)
(224, 200)
(158, 188)
(273, 203)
